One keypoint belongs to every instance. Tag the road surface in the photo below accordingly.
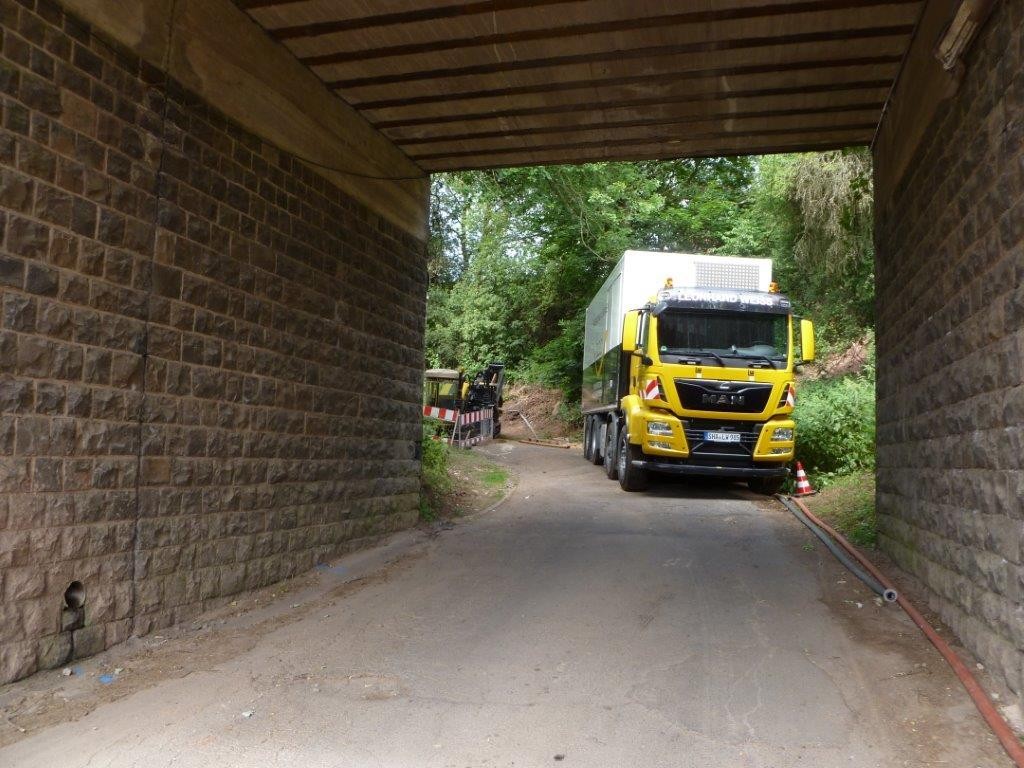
(574, 625)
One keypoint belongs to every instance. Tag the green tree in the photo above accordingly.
(812, 215)
(517, 254)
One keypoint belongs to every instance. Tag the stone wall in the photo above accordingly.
(211, 357)
(950, 272)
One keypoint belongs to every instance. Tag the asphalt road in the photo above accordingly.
(574, 625)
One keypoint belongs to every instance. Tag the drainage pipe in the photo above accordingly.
(986, 708)
(887, 594)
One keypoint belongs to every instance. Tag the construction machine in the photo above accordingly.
(450, 395)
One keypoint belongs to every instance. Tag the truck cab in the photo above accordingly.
(442, 388)
(702, 383)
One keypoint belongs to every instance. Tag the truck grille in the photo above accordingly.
(726, 396)
(694, 430)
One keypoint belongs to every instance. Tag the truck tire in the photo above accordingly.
(588, 428)
(595, 441)
(611, 451)
(768, 486)
(630, 478)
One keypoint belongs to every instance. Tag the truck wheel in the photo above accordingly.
(595, 441)
(588, 428)
(769, 486)
(630, 478)
(611, 451)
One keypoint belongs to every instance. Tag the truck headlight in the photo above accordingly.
(782, 434)
(662, 428)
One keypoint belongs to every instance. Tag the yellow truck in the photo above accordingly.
(689, 363)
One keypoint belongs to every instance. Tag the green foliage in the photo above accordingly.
(495, 477)
(836, 425)
(558, 363)
(859, 523)
(812, 214)
(435, 482)
(515, 255)
(848, 504)
(571, 413)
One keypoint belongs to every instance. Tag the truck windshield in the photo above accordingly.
(740, 336)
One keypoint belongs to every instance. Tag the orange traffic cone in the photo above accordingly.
(803, 485)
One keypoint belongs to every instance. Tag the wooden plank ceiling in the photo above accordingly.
(490, 83)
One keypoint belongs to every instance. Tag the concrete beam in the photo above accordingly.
(921, 87)
(218, 52)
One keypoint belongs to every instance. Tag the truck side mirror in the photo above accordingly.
(630, 332)
(806, 341)
(629, 323)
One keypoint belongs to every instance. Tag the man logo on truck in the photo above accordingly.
(722, 400)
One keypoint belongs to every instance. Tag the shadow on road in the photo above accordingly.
(668, 487)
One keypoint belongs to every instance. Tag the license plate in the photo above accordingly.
(722, 437)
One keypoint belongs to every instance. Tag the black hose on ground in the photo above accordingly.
(889, 595)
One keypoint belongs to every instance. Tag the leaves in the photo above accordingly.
(812, 214)
(836, 425)
(517, 254)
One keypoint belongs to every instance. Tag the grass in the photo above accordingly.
(458, 481)
(848, 504)
(495, 478)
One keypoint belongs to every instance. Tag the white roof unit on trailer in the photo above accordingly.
(441, 373)
(638, 277)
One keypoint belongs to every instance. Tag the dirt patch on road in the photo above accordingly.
(478, 483)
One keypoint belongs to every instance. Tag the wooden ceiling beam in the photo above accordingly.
(610, 26)
(564, 85)
(668, 152)
(638, 141)
(667, 121)
(643, 102)
(623, 54)
(661, 78)
(398, 18)
(595, 135)
(249, 5)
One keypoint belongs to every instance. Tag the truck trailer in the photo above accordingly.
(689, 363)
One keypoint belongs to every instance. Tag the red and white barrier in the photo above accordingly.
(444, 414)
(479, 425)
(484, 417)
(474, 416)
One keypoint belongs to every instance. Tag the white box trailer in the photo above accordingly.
(635, 281)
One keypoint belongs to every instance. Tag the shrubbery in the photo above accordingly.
(836, 425)
(435, 481)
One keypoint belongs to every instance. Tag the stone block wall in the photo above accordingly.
(950, 272)
(210, 358)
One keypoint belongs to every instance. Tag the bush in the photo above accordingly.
(836, 425)
(435, 482)
(571, 413)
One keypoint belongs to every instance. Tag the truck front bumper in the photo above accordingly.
(709, 470)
